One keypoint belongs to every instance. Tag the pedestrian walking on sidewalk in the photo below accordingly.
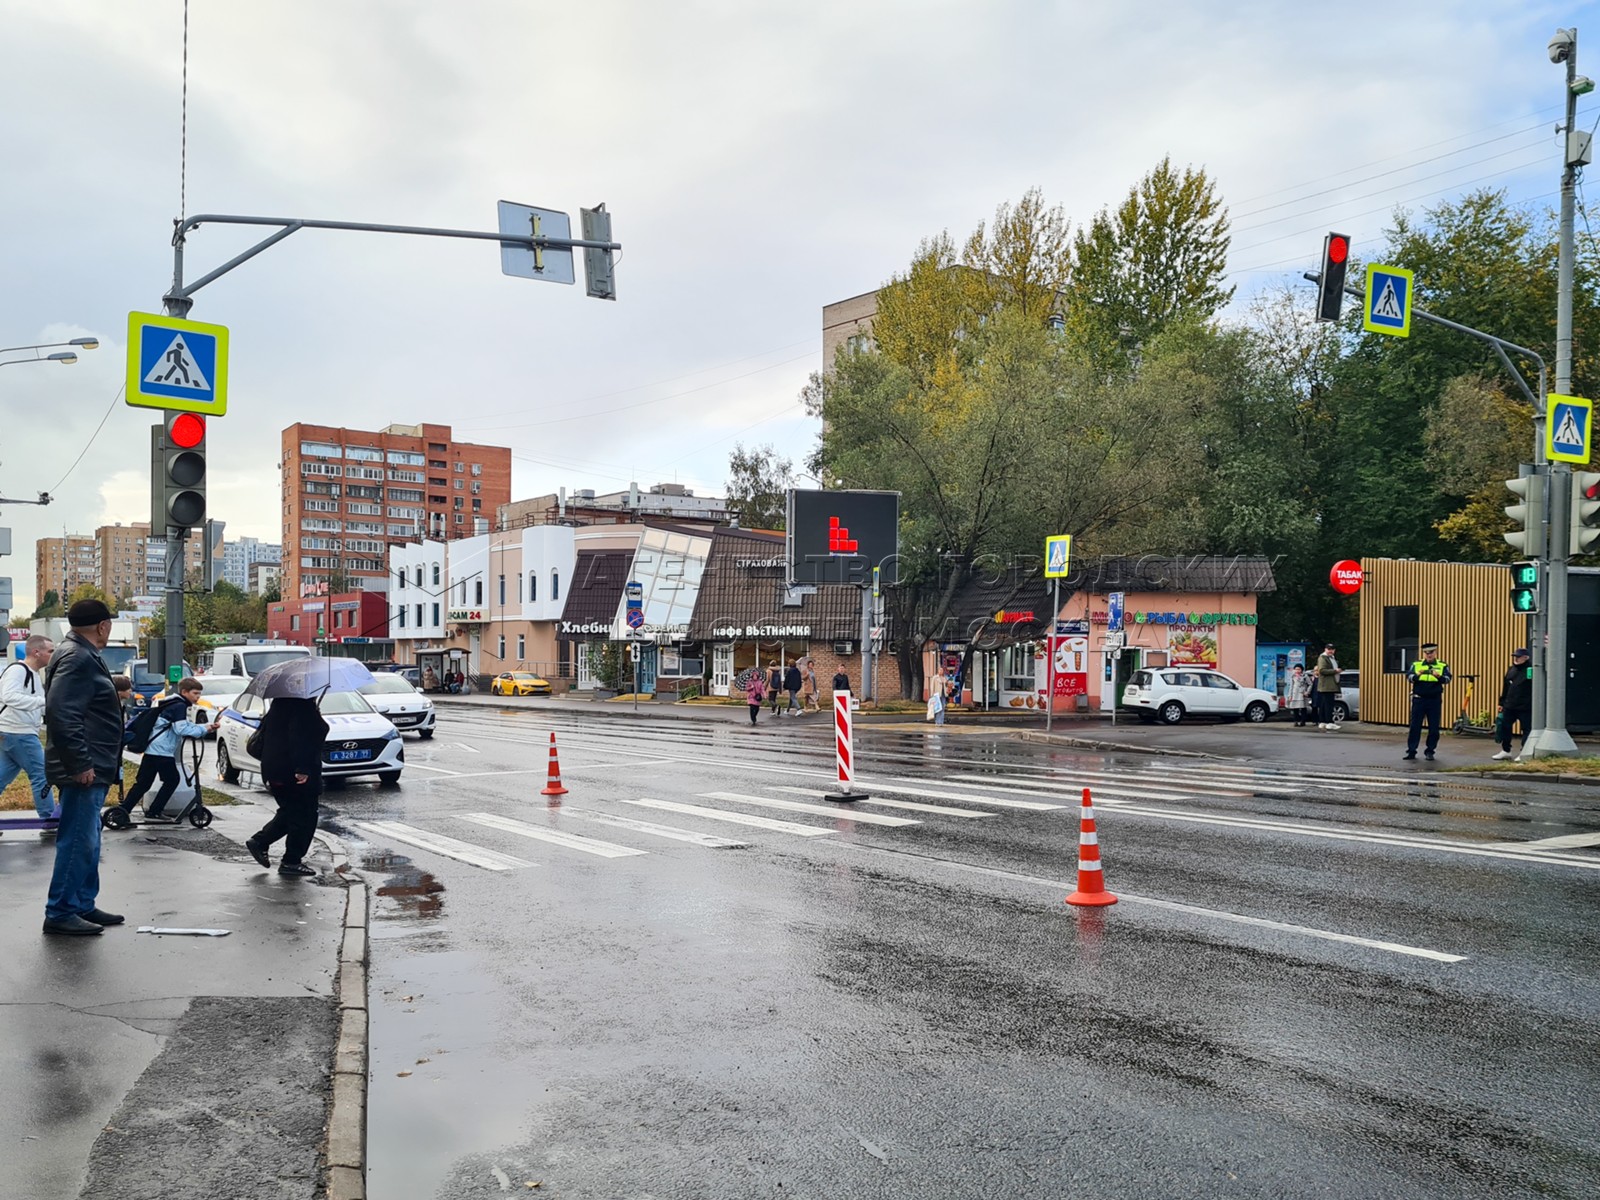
(1299, 696)
(1516, 701)
(83, 723)
(21, 718)
(754, 693)
(160, 759)
(938, 696)
(809, 688)
(1428, 677)
(775, 685)
(292, 736)
(1327, 686)
(841, 681)
(792, 683)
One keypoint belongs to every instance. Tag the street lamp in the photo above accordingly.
(60, 357)
(63, 356)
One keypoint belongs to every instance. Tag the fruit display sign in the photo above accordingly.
(1193, 645)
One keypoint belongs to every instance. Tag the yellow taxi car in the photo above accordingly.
(520, 683)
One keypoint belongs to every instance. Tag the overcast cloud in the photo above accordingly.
(760, 160)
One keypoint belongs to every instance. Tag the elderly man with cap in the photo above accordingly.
(1325, 688)
(1516, 701)
(1428, 678)
(83, 758)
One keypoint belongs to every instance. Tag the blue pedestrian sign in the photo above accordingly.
(1388, 301)
(1057, 553)
(1114, 612)
(177, 365)
(1568, 428)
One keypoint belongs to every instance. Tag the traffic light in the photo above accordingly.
(1335, 255)
(1525, 588)
(1585, 525)
(595, 226)
(1529, 514)
(182, 475)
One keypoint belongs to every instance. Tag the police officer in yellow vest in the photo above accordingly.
(1428, 678)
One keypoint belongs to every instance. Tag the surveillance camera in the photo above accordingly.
(1560, 47)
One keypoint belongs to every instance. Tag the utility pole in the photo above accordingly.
(1551, 736)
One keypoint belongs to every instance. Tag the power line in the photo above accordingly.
(90, 442)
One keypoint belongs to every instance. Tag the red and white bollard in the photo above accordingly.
(844, 749)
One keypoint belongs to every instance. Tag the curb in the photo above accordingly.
(1535, 777)
(347, 1115)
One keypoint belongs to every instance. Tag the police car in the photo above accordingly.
(361, 740)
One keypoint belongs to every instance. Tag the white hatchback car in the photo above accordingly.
(361, 741)
(1169, 694)
(402, 702)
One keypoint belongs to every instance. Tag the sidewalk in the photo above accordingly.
(141, 1066)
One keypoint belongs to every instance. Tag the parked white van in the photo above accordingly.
(245, 662)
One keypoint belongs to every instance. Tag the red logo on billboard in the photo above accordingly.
(839, 539)
(1346, 577)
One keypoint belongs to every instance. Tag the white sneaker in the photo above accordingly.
(1499, 754)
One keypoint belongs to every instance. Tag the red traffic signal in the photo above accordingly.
(186, 431)
(1330, 290)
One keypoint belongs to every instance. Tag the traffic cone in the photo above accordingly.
(1091, 883)
(553, 786)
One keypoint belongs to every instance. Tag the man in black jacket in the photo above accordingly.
(1516, 701)
(82, 758)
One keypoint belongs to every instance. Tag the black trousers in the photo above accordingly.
(151, 767)
(1424, 708)
(1523, 718)
(295, 821)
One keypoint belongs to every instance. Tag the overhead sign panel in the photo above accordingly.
(177, 365)
(1387, 308)
(842, 536)
(1568, 428)
(550, 265)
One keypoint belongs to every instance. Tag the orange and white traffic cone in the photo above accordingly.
(553, 786)
(1091, 882)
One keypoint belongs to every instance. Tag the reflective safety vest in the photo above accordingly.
(1428, 677)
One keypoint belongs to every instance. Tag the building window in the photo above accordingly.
(459, 484)
(555, 585)
(435, 574)
(402, 574)
(419, 616)
(1400, 626)
(519, 587)
(460, 467)
(319, 449)
(400, 616)
(477, 487)
(522, 648)
(477, 468)
(294, 622)
(502, 652)
(477, 592)
(363, 454)
(419, 575)
(533, 588)
(460, 520)
(458, 506)
(435, 614)
(463, 588)
(477, 506)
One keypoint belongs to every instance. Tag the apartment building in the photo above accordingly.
(350, 494)
(63, 564)
(239, 556)
(119, 559)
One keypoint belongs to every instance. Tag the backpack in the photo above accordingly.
(141, 729)
(25, 671)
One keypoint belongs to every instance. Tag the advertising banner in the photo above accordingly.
(1193, 645)
(1071, 655)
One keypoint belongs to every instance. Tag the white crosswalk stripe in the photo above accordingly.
(1027, 787)
(841, 812)
(556, 837)
(449, 847)
(900, 786)
(908, 805)
(691, 836)
(736, 818)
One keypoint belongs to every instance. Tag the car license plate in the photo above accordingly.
(349, 756)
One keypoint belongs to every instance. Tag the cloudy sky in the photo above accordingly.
(760, 159)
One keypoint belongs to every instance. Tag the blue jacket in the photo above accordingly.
(170, 726)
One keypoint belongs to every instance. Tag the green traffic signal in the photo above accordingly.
(1525, 587)
(1524, 600)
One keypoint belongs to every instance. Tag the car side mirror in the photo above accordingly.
(420, 692)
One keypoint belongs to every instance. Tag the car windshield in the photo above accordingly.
(1140, 679)
(256, 661)
(524, 677)
(382, 684)
(343, 704)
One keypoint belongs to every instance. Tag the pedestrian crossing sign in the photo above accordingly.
(1388, 301)
(1057, 553)
(177, 365)
(1568, 428)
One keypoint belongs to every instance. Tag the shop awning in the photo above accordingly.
(593, 596)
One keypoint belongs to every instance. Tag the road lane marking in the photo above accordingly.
(737, 818)
(1030, 788)
(840, 812)
(653, 762)
(908, 805)
(416, 766)
(449, 847)
(667, 831)
(572, 841)
(1061, 885)
(464, 746)
(906, 786)
(1570, 841)
(1383, 839)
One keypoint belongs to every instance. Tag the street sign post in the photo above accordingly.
(1568, 428)
(1057, 554)
(1387, 305)
(1114, 611)
(548, 263)
(177, 365)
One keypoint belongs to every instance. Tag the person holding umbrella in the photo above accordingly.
(292, 736)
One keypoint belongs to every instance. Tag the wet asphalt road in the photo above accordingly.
(1308, 989)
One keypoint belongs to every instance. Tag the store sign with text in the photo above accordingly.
(467, 616)
(1193, 645)
(1070, 658)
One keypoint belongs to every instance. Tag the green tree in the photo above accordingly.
(1159, 257)
(757, 487)
(273, 592)
(90, 591)
(50, 605)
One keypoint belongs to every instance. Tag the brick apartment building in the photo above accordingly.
(63, 564)
(350, 494)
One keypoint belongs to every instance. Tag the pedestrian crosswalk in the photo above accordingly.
(889, 804)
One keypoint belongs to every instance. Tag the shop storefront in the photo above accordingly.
(589, 616)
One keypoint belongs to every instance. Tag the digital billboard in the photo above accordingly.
(840, 536)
